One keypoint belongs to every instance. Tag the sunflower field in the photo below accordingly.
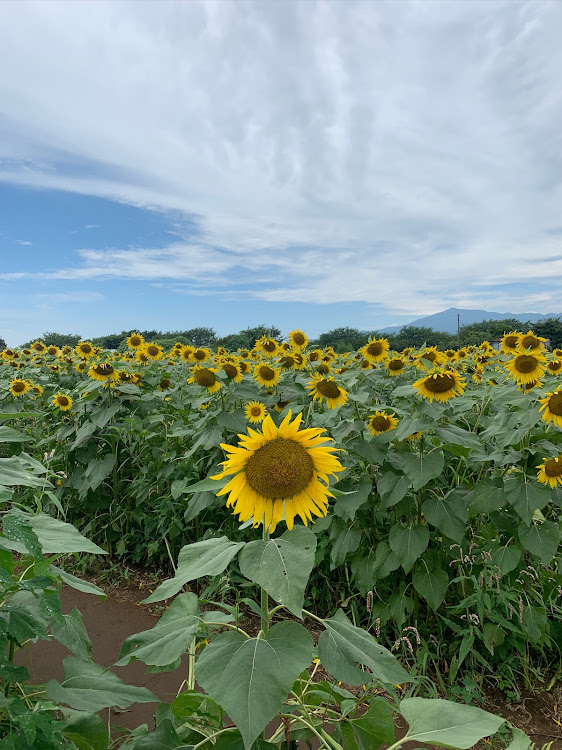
(414, 497)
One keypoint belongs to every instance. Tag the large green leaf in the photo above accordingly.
(392, 488)
(432, 585)
(77, 583)
(486, 497)
(164, 737)
(19, 535)
(71, 632)
(449, 514)
(457, 436)
(207, 558)
(168, 640)
(90, 687)
(15, 472)
(345, 539)
(526, 497)
(58, 536)
(422, 469)
(346, 506)
(447, 724)
(282, 566)
(86, 730)
(375, 727)
(251, 677)
(98, 470)
(541, 539)
(9, 435)
(342, 647)
(408, 543)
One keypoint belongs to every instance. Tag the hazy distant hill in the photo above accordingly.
(447, 320)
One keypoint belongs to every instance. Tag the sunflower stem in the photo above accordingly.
(264, 596)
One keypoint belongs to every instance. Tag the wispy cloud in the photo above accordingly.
(23, 242)
(402, 154)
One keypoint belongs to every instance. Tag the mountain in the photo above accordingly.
(447, 319)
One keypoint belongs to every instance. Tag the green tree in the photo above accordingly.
(255, 333)
(549, 328)
(417, 336)
(52, 338)
(199, 336)
(343, 339)
(234, 341)
(2, 343)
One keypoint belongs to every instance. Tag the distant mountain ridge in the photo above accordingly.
(447, 319)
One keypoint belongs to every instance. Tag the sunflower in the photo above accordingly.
(142, 357)
(268, 346)
(54, 368)
(550, 472)
(288, 362)
(165, 384)
(323, 369)
(232, 371)
(282, 471)
(81, 366)
(37, 391)
(202, 354)
(376, 350)
(298, 339)
(300, 360)
(440, 386)
(63, 402)
(552, 407)
(206, 377)
(365, 364)
(526, 367)
(104, 372)
(255, 411)
(380, 422)
(325, 388)
(244, 366)
(153, 351)
(38, 346)
(395, 366)
(554, 366)
(556, 352)
(510, 342)
(126, 377)
(280, 405)
(221, 351)
(450, 354)
(525, 387)
(19, 387)
(53, 351)
(531, 343)
(430, 355)
(315, 356)
(244, 353)
(266, 375)
(84, 349)
(415, 436)
(135, 341)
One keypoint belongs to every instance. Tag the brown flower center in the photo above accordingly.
(555, 404)
(255, 411)
(396, 364)
(205, 377)
(530, 342)
(526, 363)
(555, 365)
(199, 354)
(270, 346)
(553, 468)
(165, 384)
(375, 348)
(266, 373)
(511, 341)
(440, 383)
(328, 389)
(62, 400)
(287, 362)
(135, 341)
(18, 387)
(280, 469)
(380, 424)
(299, 339)
(231, 371)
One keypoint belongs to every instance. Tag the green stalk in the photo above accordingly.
(264, 598)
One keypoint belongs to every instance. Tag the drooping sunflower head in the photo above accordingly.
(104, 372)
(37, 391)
(255, 412)
(280, 405)
(531, 343)
(529, 386)
(440, 386)
(244, 353)
(39, 347)
(135, 341)
(376, 350)
(62, 401)
(554, 366)
(281, 472)
(551, 406)
(85, 349)
(266, 376)
(206, 378)
(524, 368)
(323, 388)
(288, 362)
(298, 339)
(395, 366)
(550, 471)
(315, 355)
(380, 422)
(19, 387)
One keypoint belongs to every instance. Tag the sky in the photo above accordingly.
(307, 164)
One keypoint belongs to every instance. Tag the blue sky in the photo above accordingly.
(308, 164)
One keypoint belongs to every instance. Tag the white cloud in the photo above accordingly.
(405, 154)
(23, 242)
(68, 297)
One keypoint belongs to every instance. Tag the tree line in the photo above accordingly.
(342, 339)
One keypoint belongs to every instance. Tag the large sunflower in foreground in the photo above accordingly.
(552, 407)
(326, 388)
(281, 472)
(550, 472)
(440, 386)
(525, 368)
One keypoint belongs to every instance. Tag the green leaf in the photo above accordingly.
(346, 539)
(506, 558)
(207, 558)
(86, 730)
(198, 503)
(164, 737)
(72, 633)
(168, 640)
(526, 497)
(448, 514)
(282, 566)
(375, 727)
(346, 506)
(251, 677)
(541, 540)
(493, 636)
(83, 433)
(20, 415)
(54, 536)
(457, 436)
(519, 740)
(19, 531)
(207, 485)
(14, 472)
(408, 543)
(385, 560)
(97, 471)
(486, 497)
(534, 622)
(78, 583)
(447, 724)
(392, 488)
(422, 469)
(431, 585)
(342, 647)
(9, 435)
(90, 687)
